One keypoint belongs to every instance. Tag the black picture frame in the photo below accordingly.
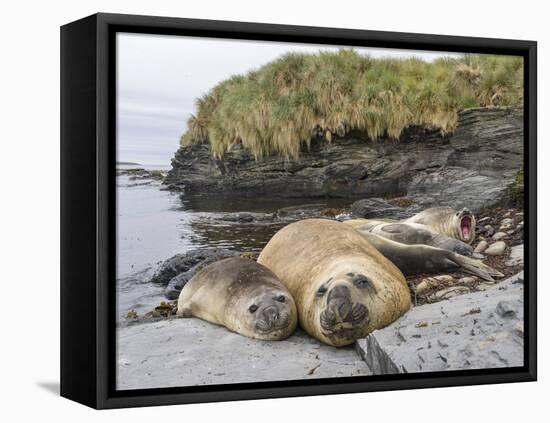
(88, 143)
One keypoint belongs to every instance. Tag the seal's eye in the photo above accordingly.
(321, 291)
(361, 281)
(457, 214)
(281, 298)
(253, 308)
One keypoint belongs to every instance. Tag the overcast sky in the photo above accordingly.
(159, 77)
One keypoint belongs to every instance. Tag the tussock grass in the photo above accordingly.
(279, 108)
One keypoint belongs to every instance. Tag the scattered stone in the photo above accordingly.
(378, 207)
(480, 330)
(499, 235)
(177, 270)
(481, 247)
(516, 256)
(433, 282)
(488, 230)
(467, 280)
(507, 221)
(483, 220)
(496, 249)
(478, 256)
(452, 291)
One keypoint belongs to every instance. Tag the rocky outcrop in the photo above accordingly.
(477, 165)
(176, 271)
(479, 330)
(190, 352)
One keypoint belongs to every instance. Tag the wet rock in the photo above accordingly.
(478, 330)
(176, 284)
(302, 211)
(496, 249)
(516, 256)
(499, 235)
(181, 263)
(245, 217)
(481, 247)
(370, 208)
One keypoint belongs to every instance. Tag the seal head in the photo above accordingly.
(243, 296)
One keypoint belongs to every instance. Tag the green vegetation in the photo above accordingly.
(516, 192)
(278, 108)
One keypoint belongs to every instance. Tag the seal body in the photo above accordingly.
(414, 249)
(343, 287)
(447, 221)
(243, 296)
(411, 234)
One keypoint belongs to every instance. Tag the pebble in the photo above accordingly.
(488, 230)
(453, 291)
(432, 282)
(507, 221)
(499, 235)
(481, 247)
(478, 256)
(484, 219)
(467, 280)
(496, 249)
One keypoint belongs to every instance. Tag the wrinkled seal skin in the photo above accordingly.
(412, 249)
(460, 225)
(343, 287)
(243, 296)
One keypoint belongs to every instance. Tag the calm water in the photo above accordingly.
(153, 225)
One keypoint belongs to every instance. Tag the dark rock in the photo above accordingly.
(477, 166)
(369, 208)
(181, 263)
(479, 330)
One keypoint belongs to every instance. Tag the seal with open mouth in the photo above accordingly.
(447, 221)
(415, 249)
(243, 296)
(343, 287)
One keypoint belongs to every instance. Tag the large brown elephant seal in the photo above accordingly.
(343, 287)
(447, 221)
(411, 248)
(243, 296)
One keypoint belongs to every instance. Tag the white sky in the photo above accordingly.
(160, 76)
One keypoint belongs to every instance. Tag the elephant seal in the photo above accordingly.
(411, 234)
(343, 287)
(243, 296)
(403, 245)
(447, 221)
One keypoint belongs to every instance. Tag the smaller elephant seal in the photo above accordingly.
(414, 252)
(243, 296)
(343, 287)
(460, 225)
(411, 234)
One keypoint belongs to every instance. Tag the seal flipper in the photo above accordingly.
(415, 259)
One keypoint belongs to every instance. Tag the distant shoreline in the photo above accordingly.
(128, 163)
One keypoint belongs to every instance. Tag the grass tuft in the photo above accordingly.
(278, 109)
